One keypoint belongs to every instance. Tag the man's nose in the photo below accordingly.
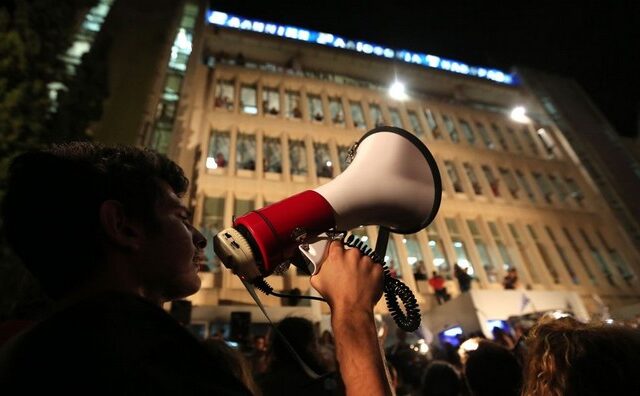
(199, 240)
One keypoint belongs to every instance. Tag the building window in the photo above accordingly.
(243, 206)
(544, 254)
(500, 136)
(298, 157)
(212, 224)
(270, 101)
(544, 186)
(595, 253)
(453, 176)
(471, 174)
(272, 155)
(343, 154)
(440, 260)
(525, 184)
(559, 187)
(218, 155)
(224, 94)
(484, 135)
(526, 256)
(451, 128)
(292, 105)
(467, 132)
(392, 259)
(337, 112)
(246, 152)
(578, 253)
(617, 259)
(563, 256)
(396, 120)
(324, 166)
(462, 257)
(415, 123)
(492, 180)
(414, 256)
(248, 99)
(510, 181)
(574, 190)
(507, 262)
(357, 115)
(514, 139)
(529, 139)
(316, 112)
(433, 125)
(376, 115)
(487, 264)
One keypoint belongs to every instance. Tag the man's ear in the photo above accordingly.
(117, 227)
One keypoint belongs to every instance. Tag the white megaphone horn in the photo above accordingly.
(392, 181)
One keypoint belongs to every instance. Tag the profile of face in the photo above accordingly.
(171, 251)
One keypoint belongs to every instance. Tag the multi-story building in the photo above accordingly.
(255, 112)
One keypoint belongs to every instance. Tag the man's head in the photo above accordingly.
(78, 211)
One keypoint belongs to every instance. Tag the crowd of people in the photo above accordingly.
(118, 244)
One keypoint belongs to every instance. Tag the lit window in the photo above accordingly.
(501, 140)
(357, 115)
(324, 166)
(515, 140)
(392, 259)
(270, 101)
(484, 135)
(292, 105)
(578, 253)
(595, 253)
(272, 155)
(248, 99)
(218, 154)
(459, 247)
(492, 180)
(453, 176)
(212, 224)
(467, 132)
(546, 260)
(617, 259)
(529, 139)
(510, 181)
(246, 152)
(337, 112)
(433, 125)
(415, 123)
(440, 260)
(316, 112)
(451, 128)
(507, 262)
(487, 263)
(471, 174)
(224, 94)
(559, 187)
(563, 256)
(574, 190)
(414, 256)
(544, 186)
(525, 184)
(525, 254)
(396, 120)
(298, 157)
(376, 115)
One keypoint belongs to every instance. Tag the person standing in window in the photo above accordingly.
(437, 283)
(511, 279)
(464, 279)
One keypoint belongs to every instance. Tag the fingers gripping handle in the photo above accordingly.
(315, 252)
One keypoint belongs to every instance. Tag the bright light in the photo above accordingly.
(404, 240)
(250, 109)
(469, 345)
(609, 321)
(422, 347)
(559, 314)
(452, 332)
(438, 261)
(519, 114)
(211, 163)
(364, 238)
(432, 243)
(397, 92)
(457, 244)
(412, 260)
(329, 163)
(386, 258)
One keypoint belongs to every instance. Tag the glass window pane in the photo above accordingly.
(392, 259)
(415, 123)
(248, 99)
(544, 186)
(617, 259)
(526, 133)
(545, 255)
(484, 135)
(510, 181)
(316, 112)
(453, 176)
(396, 120)
(272, 154)
(559, 187)
(224, 94)
(337, 112)
(491, 179)
(595, 253)
(376, 115)
(243, 206)
(524, 254)
(515, 140)
(292, 105)
(298, 157)
(574, 190)
(440, 259)
(433, 124)
(467, 132)
(343, 153)
(471, 174)
(414, 256)
(501, 140)
(563, 257)
(218, 154)
(357, 115)
(212, 224)
(578, 253)
(462, 257)
(270, 101)
(487, 263)
(246, 152)
(324, 166)
(525, 184)
(507, 262)
(451, 128)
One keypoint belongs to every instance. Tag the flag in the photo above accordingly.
(524, 302)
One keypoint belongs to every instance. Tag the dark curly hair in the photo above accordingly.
(51, 207)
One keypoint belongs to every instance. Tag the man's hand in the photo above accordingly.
(349, 280)
(352, 284)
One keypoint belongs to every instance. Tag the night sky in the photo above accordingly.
(595, 42)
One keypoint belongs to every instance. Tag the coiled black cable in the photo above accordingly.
(393, 289)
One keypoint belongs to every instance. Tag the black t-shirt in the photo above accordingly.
(112, 344)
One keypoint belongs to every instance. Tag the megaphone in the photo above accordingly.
(392, 181)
